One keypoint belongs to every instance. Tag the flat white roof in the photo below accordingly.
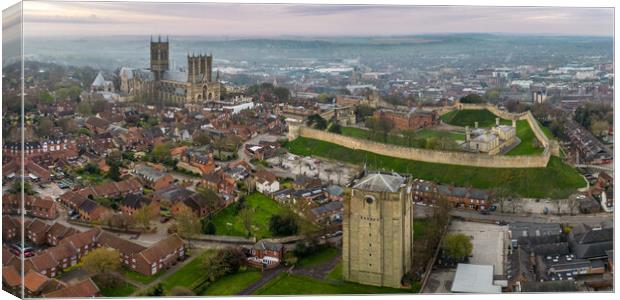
(474, 279)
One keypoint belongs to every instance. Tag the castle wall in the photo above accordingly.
(425, 155)
(551, 146)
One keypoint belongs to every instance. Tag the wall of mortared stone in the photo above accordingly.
(426, 155)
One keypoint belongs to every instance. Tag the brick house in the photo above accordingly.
(153, 178)
(83, 289)
(92, 211)
(430, 192)
(412, 120)
(126, 249)
(36, 232)
(10, 228)
(57, 232)
(133, 202)
(159, 256)
(266, 255)
(40, 207)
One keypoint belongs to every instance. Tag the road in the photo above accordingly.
(590, 219)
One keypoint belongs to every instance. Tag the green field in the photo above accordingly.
(189, 275)
(556, 180)
(468, 117)
(529, 144)
(145, 279)
(420, 227)
(232, 284)
(227, 222)
(319, 257)
(122, 290)
(417, 140)
(287, 284)
(335, 273)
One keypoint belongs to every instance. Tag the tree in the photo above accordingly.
(161, 152)
(99, 106)
(114, 172)
(282, 93)
(283, 225)
(385, 125)
(211, 199)
(46, 97)
(157, 290)
(317, 122)
(472, 98)
(202, 139)
(246, 217)
(45, 126)
(572, 202)
(143, 216)
(335, 128)
(598, 127)
(103, 262)
(84, 108)
(188, 224)
(208, 227)
(457, 246)
(362, 112)
(181, 291)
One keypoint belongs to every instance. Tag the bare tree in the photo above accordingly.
(572, 203)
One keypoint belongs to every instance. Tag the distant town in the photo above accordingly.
(206, 176)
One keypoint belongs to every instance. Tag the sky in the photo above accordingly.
(62, 19)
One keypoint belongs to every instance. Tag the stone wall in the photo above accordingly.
(432, 156)
(550, 146)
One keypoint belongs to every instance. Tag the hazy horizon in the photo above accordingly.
(91, 19)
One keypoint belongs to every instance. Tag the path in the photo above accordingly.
(318, 271)
(266, 277)
(145, 287)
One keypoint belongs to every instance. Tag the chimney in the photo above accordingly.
(496, 121)
(514, 123)
(476, 124)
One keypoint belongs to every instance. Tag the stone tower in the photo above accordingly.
(199, 68)
(159, 57)
(377, 239)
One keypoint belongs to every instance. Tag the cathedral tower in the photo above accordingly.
(159, 57)
(199, 68)
(377, 239)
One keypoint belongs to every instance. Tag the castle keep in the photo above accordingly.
(191, 84)
(377, 239)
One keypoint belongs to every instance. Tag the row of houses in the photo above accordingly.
(68, 246)
(430, 193)
(544, 253)
(34, 206)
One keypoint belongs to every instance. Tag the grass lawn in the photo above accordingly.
(135, 276)
(321, 256)
(468, 117)
(232, 284)
(123, 290)
(287, 284)
(529, 144)
(189, 275)
(556, 180)
(262, 208)
(335, 273)
(417, 140)
(420, 228)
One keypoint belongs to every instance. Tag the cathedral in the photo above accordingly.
(192, 84)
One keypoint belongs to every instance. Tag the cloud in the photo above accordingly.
(210, 19)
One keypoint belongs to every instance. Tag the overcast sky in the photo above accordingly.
(203, 19)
